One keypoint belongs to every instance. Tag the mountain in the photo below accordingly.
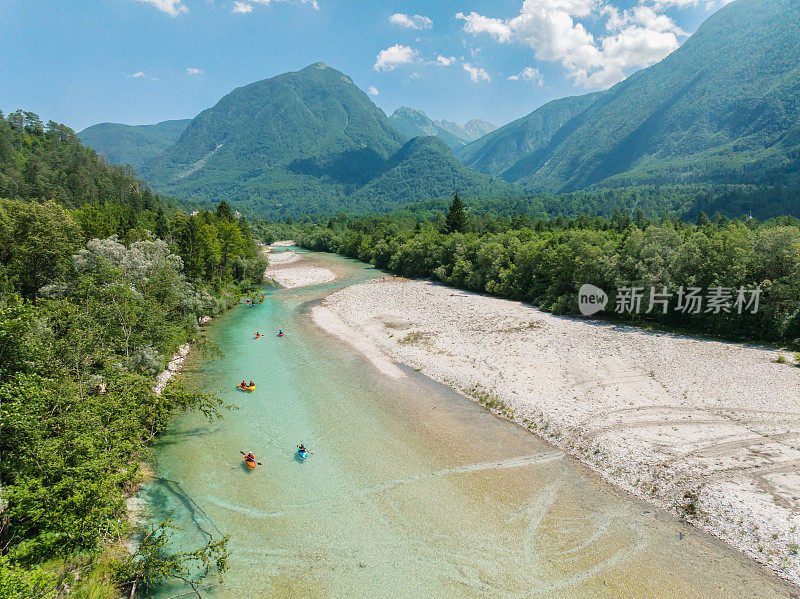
(413, 123)
(495, 152)
(722, 109)
(304, 142)
(132, 144)
(425, 169)
(475, 128)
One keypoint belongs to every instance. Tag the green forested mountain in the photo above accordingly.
(414, 123)
(493, 153)
(300, 143)
(132, 144)
(722, 109)
(425, 169)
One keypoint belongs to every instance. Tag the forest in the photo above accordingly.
(545, 261)
(100, 282)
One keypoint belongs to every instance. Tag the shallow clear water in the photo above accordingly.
(411, 490)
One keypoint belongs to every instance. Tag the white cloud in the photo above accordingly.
(393, 56)
(529, 74)
(552, 29)
(372, 90)
(242, 7)
(475, 73)
(676, 3)
(476, 23)
(193, 71)
(137, 75)
(171, 7)
(411, 22)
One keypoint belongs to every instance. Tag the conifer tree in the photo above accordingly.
(456, 220)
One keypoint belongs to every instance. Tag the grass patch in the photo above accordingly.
(414, 337)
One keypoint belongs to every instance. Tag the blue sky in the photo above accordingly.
(142, 61)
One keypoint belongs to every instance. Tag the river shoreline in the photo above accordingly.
(284, 272)
(701, 428)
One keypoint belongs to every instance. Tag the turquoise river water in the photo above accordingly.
(411, 491)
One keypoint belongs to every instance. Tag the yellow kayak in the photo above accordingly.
(246, 387)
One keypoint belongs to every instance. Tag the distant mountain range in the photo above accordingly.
(721, 113)
(724, 108)
(413, 123)
(132, 144)
(308, 142)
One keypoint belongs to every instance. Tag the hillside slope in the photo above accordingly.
(132, 144)
(495, 152)
(722, 109)
(300, 143)
(425, 169)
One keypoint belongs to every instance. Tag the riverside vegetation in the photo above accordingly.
(545, 261)
(100, 282)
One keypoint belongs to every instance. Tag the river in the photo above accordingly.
(411, 489)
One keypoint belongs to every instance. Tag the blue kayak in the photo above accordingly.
(302, 453)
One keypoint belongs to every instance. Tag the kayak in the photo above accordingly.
(280, 334)
(246, 387)
(302, 453)
(250, 463)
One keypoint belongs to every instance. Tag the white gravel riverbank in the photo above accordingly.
(284, 271)
(707, 429)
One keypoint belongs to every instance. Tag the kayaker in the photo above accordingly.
(280, 333)
(243, 384)
(301, 448)
(250, 457)
(252, 384)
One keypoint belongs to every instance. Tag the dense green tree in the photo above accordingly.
(36, 244)
(546, 263)
(100, 282)
(224, 211)
(456, 220)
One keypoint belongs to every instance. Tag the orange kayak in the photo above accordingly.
(251, 463)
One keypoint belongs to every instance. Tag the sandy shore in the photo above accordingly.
(284, 271)
(706, 429)
(326, 319)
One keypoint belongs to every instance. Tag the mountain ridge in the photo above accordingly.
(413, 122)
(721, 109)
(303, 142)
(132, 144)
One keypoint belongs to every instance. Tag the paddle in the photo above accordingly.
(245, 455)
